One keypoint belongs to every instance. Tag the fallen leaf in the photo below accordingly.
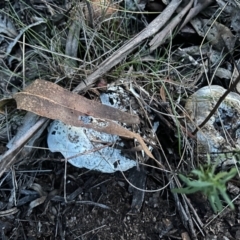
(217, 34)
(7, 27)
(52, 101)
(57, 100)
(98, 10)
(162, 94)
(5, 101)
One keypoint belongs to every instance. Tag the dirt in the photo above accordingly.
(101, 206)
(100, 209)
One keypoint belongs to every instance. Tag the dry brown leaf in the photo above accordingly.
(54, 97)
(99, 10)
(49, 100)
(5, 101)
(219, 36)
(162, 94)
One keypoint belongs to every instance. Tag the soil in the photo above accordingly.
(98, 206)
(94, 205)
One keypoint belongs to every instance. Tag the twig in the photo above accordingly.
(195, 10)
(161, 37)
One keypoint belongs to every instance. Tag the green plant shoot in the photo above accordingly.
(211, 184)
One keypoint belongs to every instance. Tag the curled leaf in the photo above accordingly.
(52, 101)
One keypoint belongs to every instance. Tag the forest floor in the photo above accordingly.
(149, 59)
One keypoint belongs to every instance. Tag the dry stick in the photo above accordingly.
(132, 44)
(161, 37)
(201, 5)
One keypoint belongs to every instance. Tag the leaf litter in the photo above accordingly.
(197, 52)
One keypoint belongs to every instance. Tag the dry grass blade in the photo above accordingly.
(8, 212)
